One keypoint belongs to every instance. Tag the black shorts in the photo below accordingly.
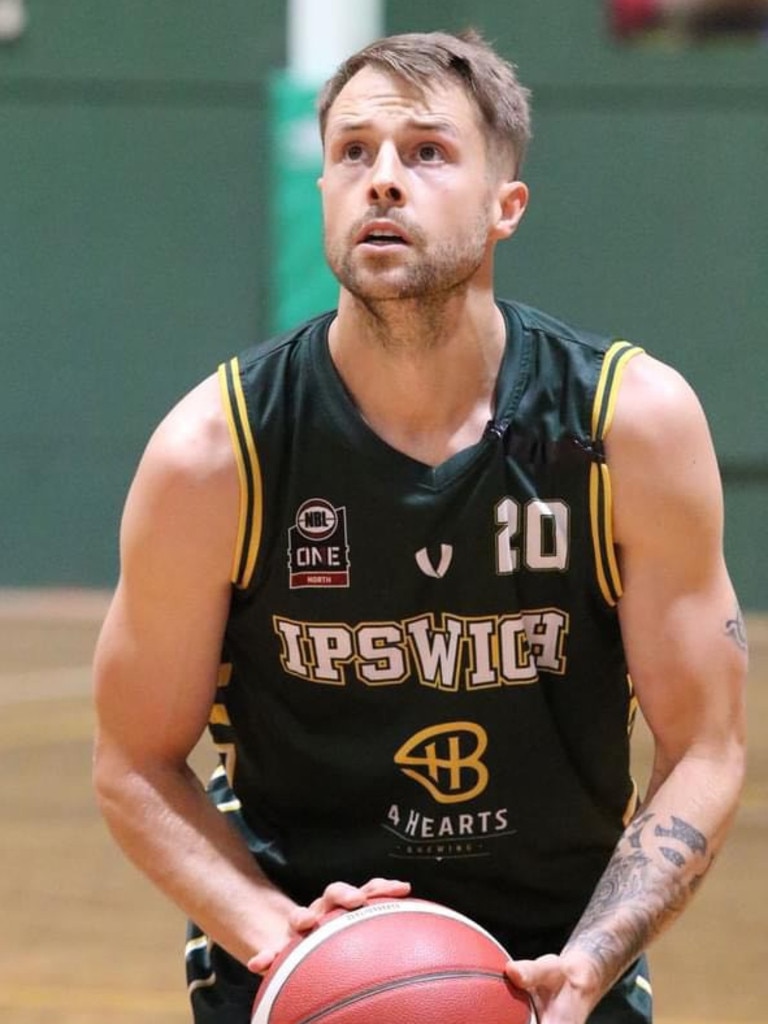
(222, 990)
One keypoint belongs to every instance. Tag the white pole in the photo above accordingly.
(13, 20)
(322, 33)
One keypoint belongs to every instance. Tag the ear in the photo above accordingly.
(511, 201)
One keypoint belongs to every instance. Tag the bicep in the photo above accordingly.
(155, 673)
(678, 611)
(159, 649)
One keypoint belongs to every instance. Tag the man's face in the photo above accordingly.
(408, 201)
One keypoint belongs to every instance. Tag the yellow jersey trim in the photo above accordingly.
(600, 496)
(597, 506)
(219, 715)
(614, 363)
(249, 474)
(634, 706)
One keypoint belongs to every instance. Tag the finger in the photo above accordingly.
(385, 887)
(347, 897)
(546, 972)
(261, 963)
(304, 919)
(336, 895)
(517, 972)
(342, 894)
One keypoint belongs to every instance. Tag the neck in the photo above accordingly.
(423, 376)
(410, 326)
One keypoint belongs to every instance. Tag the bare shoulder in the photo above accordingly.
(184, 499)
(654, 401)
(193, 440)
(661, 456)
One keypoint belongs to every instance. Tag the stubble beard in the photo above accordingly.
(424, 286)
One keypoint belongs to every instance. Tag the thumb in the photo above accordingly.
(546, 972)
(261, 963)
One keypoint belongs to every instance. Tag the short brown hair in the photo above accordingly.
(422, 58)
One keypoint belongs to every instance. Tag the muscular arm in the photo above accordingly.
(156, 670)
(155, 675)
(686, 651)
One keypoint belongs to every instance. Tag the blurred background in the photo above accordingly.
(158, 213)
(149, 227)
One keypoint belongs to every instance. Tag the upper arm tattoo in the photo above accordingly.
(736, 629)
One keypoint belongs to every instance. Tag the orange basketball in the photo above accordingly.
(392, 962)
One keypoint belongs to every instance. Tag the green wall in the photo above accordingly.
(134, 181)
(133, 174)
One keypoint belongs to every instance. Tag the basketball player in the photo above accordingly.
(415, 564)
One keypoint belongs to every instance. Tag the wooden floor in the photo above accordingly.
(85, 940)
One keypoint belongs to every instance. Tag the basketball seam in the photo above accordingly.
(390, 986)
(274, 982)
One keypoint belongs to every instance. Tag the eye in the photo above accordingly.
(354, 152)
(430, 153)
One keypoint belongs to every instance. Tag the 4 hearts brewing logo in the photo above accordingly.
(318, 551)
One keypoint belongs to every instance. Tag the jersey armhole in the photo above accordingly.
(600, 498)
(248, 471)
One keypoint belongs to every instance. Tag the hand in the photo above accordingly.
(348, 897)
(564, 989)
(336, 895)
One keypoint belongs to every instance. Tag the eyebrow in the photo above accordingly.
(429, 124)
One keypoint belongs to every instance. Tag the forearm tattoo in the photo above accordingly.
(655, 869)
(736, 629)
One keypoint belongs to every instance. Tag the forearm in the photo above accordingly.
(167, 826)
(659, 863)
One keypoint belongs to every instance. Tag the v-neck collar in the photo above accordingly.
(391, 463)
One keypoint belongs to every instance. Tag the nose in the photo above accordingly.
(386, 186)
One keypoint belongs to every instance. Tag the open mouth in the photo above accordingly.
(382, 234)
(381, 238)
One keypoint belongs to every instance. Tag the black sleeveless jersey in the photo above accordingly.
(423, 675)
